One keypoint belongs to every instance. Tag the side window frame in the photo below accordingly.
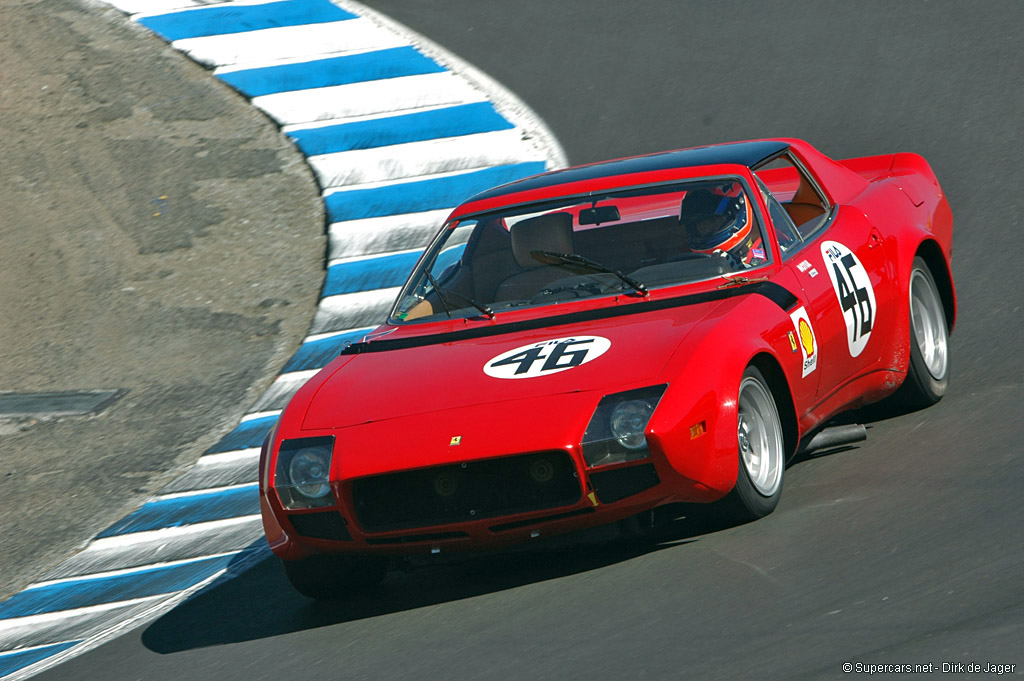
(787, 225)
(817, 224)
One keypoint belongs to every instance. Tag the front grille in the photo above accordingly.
(466, 491)
(320, 525)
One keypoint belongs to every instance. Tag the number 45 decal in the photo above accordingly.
(547, 357)
(854, 292)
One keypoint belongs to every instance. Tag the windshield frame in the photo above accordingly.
(439, 241)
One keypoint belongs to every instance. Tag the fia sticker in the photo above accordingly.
(547, 357)
(806, 339)
(854, 292)
(805, 267)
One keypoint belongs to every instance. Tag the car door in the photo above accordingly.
(843, 273)
(838, 259)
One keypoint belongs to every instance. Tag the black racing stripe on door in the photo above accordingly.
(772, 291)
(779, 295)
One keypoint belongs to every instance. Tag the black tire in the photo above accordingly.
(758, 483)
(928, 374)
(335, 577)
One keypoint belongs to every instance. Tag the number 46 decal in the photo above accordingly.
(547, 357)
(853, 289)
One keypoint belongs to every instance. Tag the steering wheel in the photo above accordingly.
(688, 256)
(729, 258)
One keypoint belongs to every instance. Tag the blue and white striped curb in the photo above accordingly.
(398, 132)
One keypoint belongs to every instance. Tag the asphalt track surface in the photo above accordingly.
(905, 549)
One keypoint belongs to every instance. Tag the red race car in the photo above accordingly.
(589, 344)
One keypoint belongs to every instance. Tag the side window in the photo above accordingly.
(798, 196)
(787, 233)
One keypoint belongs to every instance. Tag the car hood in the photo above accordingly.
(617, 352)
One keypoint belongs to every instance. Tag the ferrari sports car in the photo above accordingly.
(588, 345)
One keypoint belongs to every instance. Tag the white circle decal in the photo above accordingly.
(853, 289)
(547, 357)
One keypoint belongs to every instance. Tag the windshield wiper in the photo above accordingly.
(574, 259)
(442, 295)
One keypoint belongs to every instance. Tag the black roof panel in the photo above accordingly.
(741, 153)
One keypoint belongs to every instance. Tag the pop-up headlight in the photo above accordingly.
(616, 430)
(302, 476)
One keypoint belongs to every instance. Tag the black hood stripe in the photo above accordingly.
(773, 292)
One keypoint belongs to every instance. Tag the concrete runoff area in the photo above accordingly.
(161, 241)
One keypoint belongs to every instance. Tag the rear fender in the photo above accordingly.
(908, 206)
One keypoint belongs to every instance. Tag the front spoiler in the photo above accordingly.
(485, 534)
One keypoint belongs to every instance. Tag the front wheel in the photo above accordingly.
(334, 577)
(761, 450)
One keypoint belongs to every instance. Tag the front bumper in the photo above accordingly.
(503, 506)
(497, 503)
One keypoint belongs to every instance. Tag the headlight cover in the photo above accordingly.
(302, 476)
(615, 433)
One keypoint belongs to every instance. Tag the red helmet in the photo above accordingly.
(717, 218)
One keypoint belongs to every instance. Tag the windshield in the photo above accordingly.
(619, 242)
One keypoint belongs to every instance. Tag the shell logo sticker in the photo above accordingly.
(547, 357)
(806, 338)
(854, 291)
(808, 342)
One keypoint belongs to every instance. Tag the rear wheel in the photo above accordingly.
(761, 449)
(334, 577)
(928, 374)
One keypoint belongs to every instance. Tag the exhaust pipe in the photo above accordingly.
(835, 436)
